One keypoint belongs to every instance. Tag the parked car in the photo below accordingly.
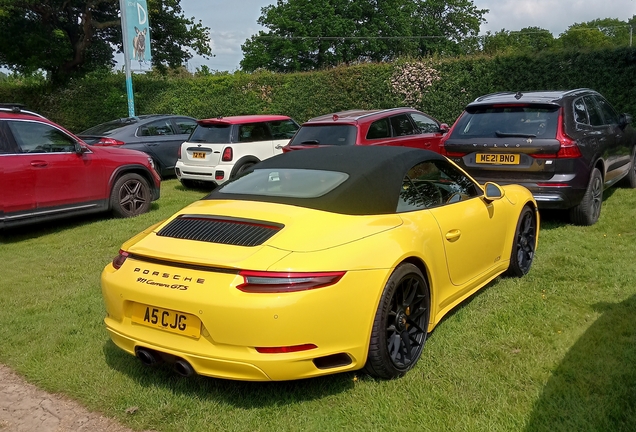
(222, 148)
(316, 262)
(565, 146)
(158, 135)
(405, 127)
(49, 173)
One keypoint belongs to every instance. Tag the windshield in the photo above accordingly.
(325, 135)
(285, 182)
(211, 134)
(508, 121)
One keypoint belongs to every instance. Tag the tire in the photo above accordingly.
(241, 169)
(523, 245)
(188, 184)
(630, 179)
(589, 209)
(130, 196)
(401, 324)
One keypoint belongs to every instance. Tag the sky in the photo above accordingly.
(231, 23)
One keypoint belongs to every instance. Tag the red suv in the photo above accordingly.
(405, 127)
(49, 173)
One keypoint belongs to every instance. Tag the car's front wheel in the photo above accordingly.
(130, 196)
(523, 246)
(589, 209)
(401, 324)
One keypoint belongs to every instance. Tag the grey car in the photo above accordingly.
(158, 135)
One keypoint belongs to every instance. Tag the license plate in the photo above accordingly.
(497, 158)
(166, 319)
(198, 155)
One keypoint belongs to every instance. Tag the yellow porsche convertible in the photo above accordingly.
(316, 262)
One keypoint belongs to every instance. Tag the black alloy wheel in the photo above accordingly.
(401, 324)
(523, 247)
(130, 196)
(589, 209)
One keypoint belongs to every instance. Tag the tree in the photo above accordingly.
(306, 35)
(68, 38)
(529, 39)
(599, 33)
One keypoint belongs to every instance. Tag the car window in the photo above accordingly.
(432, 184)
(379, 129)
(596, 119)
(185, 125)
(609, 114)
(580, 112)
(325, 134)
(34, 137)
(402, 125)
(211, 134)
(284, 129)
(424, 124)
(253, 132)
(156, 128)
(6, 140)
(502, 121)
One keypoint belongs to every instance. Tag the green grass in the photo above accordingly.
(553, 351)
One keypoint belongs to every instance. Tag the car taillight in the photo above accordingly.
(227, 154)
(104, 141)
(277, 282)
(285, 349)
(568, 148)
(179, 153)
(450, 154)
(118, 261)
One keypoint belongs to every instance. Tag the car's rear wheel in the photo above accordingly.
(401, 324)
(522, 253)
(130, 196)
(631, 176)
(242, 168)
(589, 209)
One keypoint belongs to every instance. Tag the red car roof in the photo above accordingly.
(243, 119)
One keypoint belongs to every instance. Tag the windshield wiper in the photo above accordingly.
(512, 134)
(311, 142)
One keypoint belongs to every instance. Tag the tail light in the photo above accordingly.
(104, 141)
(568, 148)
(277, 282)
(179, 153)
(118, 261)
(285, 349)
(227, 154)
(450, 154)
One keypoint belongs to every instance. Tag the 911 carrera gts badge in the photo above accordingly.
(165, 279)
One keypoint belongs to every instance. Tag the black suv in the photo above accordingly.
(565, 146)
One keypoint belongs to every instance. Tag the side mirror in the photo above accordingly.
(492, 191)
(443, 128)
(624, 120)
(80, 149)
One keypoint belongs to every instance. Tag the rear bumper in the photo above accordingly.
(549, 197)
(210, 174)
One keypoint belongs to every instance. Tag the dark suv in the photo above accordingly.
(405, 127)
(565, 146)
(49, 173)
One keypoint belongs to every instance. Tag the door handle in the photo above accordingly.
(39, 164)
(453, 235)
(278, 147)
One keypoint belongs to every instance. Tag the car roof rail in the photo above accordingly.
(17, 108)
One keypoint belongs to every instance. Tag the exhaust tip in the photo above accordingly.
(147, 357)
(183, 368)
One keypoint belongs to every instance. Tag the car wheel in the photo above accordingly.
(242, 168)
(523, 245)
(589, 209)
(631, 176)
(400, 325)
(130, 196)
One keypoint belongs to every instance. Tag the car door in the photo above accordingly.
(63, 177)
(618, 151)
(429, 134)
(17, 187)
(161, 140)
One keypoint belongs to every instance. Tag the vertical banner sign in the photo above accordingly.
(136, 38)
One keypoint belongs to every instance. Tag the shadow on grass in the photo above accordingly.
(551, 219)
(240, 394)
(594, 387)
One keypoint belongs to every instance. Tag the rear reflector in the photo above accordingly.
(108, 142)
(553, 185)
(277, 282)
(219, 175)
(285, 349)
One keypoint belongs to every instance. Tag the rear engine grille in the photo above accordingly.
(219, 229)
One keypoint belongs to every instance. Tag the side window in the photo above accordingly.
(580, 112)
(609, 114)
(424, 124)
(254, 132)
(595, 116)
(7, 145)
(402, 125)
(186, 126)
(34, 137)
(157, 128)
(432, 184)
(379, 129)
(284, 129)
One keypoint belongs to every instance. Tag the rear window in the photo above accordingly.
(286, 182)
(508, 121)
(211, 134)
(106, 128)
(325, 135)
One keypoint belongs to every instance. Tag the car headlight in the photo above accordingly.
(151, 162)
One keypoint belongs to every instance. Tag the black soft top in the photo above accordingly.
(374, 183)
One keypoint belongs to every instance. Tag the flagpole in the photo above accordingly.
(126, 41)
